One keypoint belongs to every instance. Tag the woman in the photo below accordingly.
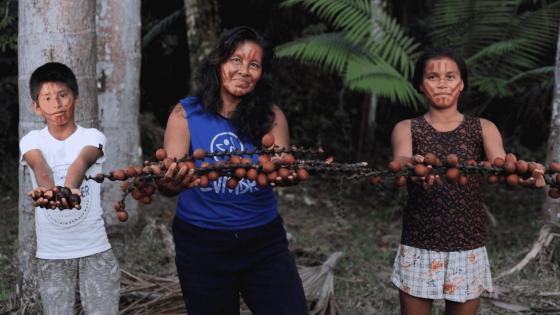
(442, 253)
(231, 242)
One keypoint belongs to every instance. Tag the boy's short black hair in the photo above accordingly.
(437, 53)
(52, 72)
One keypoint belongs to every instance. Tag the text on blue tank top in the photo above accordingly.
(216, 206)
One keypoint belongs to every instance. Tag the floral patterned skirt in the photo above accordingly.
(455, 276)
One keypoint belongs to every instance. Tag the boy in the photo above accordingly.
(72, 244)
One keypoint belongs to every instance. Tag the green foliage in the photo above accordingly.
(507, 43)
(369, 49)
(8, 34)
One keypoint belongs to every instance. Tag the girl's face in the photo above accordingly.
(442, 83)
(240, 73)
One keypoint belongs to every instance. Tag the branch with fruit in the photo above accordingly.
(280, 167)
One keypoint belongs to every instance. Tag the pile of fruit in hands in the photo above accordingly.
(279, 167)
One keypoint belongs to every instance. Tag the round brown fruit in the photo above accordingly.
(122, 216)
(212, 175)
(431, 159)
(234, 159)
(262, 181)
(240, 172)
(510, 167)
(199, 154)
(268, 167)
(499, 162)
(267, 141)
(288, 159)
(510, 157)
(252, 174)
(203, 181)
(522, 167)
(302, 174)
(283, 172)
(374, 180)
(452, 159)
(554, 167)
(118, 206)
(400, 181)
(146, 199)
(512, 180)
(119, 175)
(232, 183)
(463, 180)
(420, 170)
(161, 154)
(452, 174)
(554, 193)
(395, 166)
(492, 179)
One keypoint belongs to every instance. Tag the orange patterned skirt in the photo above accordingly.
(455, 276)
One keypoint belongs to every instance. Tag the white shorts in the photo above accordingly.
(456, 276)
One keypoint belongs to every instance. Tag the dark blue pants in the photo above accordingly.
(215, 267)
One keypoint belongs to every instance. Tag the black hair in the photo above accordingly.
(437, 53)
(52, 72)
(253, 117)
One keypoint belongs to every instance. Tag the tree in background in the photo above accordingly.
(118, 90)
(203, 28)
(62, 31)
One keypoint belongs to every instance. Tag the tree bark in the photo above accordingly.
(62, 31)
(552, 206)
(118, 90)
(203, 28)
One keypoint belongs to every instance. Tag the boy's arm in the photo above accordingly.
(40, 167)
(77, 170)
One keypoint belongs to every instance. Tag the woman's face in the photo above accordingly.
(242, 70)
(442, 83)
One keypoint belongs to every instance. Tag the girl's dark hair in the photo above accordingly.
(253, 116)
(437, 53)
(52, 72)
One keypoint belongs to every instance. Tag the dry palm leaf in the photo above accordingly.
(318, 284)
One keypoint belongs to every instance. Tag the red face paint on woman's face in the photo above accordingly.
(442, 83)
(241, 72)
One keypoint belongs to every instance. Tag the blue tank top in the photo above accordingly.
(216, 206)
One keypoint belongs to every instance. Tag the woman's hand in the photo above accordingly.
(176, 179)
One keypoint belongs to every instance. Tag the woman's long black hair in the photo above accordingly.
(253, 117)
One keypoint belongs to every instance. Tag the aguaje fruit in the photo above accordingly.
(267, 141)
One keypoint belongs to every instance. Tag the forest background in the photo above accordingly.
(341, 77)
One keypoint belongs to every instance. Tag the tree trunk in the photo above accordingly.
(118, 91)
(552, 206)
(62, 31)
(203, 28)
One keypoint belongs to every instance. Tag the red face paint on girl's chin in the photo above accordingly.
(442, 84)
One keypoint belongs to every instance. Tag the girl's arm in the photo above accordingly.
(492, 140)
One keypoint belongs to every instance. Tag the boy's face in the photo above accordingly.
(55, 103)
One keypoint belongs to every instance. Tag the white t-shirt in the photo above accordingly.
(70, 233)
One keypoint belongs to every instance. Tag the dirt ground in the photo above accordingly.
(324, 216)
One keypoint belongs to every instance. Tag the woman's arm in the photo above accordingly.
(176, 142)
(280, 129)
(492, 140)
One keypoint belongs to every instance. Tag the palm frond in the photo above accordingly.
(379, 77)
(330, 51)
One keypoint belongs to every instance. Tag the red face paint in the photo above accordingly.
(442, 83)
